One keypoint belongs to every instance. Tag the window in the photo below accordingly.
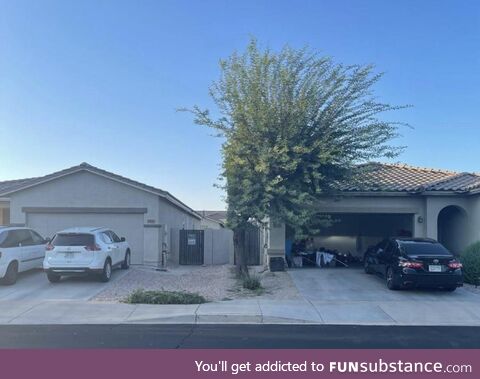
(10, 240)
(24, 237)
(423, 248)
(3, 237)
(37, 240)
(73, 239)
(115, 238)
(106, 237)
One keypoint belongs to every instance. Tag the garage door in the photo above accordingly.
(129, 226)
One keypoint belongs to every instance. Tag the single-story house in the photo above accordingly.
(209, 222)
(394, 200)
(85, 195)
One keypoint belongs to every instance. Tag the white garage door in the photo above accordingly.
(129, 226)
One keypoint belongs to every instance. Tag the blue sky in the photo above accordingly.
(99, 81)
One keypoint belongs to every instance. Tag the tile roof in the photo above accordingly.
(11, 186)
(369, 177)
(382, 177)
(5, 185)
(220, 216)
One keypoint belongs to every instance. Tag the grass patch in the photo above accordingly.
(251, 282)
(164, 297)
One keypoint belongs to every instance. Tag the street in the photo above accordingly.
(237, 336)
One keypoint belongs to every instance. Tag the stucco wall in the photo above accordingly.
(85, 189)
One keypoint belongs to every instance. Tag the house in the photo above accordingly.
(213, 219)
(85, 195)
(393, 200)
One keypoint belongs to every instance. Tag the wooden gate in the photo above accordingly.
(252, 246)
(191, 247)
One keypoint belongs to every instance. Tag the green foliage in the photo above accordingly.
(295, 124)
(164, 297)
(251, 282)
(470, 259)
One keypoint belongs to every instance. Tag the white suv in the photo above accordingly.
(85, 251)
(21, 249)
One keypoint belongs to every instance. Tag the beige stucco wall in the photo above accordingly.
(86, 189)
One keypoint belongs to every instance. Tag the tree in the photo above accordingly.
(295, 124)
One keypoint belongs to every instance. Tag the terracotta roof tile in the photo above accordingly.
(381, 177)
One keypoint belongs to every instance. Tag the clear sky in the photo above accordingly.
(99, 81)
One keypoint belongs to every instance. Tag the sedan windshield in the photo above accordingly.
(73, 239)
(423, 248)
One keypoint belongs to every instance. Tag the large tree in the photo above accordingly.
(295, 124)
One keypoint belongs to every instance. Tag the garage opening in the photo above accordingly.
(346, 240)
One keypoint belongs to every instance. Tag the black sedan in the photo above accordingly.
(414, 262)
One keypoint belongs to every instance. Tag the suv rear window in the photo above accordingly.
(423, 248)
(73, 239)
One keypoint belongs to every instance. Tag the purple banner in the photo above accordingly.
(235, 363)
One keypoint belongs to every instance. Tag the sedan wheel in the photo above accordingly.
(391, 282)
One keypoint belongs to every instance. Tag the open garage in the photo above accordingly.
(353, 233)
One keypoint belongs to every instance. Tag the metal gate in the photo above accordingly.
(252, 246)
(191, 247)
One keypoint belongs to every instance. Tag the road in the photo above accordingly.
(237, 336)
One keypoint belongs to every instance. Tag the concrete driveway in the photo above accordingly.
(352, 284)
(34, 286)
(349, 296)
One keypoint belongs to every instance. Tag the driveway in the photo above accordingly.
(34, 286)
(352, 284)
(349, 296)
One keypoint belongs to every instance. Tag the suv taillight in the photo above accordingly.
(49, 247)
(455, 265)
(94, 247)
(408, 264)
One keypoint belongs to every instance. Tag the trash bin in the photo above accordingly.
(276, 264)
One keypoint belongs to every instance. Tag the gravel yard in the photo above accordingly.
(215, 283)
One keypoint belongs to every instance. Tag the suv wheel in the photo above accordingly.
(11, 274)
(391, 280)
(53, 278)
(126, 261)
(107, 271)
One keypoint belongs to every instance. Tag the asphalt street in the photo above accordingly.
(237, 336)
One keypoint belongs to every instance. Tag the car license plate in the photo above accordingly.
(435, 268)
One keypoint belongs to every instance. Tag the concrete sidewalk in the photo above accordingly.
(242, 311)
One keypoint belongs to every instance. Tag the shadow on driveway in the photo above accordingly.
(34, 286)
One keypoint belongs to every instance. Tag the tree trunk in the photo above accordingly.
(240, 251)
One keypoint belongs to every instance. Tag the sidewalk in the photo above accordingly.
(242, 311)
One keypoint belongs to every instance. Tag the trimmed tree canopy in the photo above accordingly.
(294, 124)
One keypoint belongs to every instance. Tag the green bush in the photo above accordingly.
(470, 259)
(251, 282)
(164, 297)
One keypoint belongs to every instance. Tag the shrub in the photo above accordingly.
(470, 259)
(251, 282)
(164, 297)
